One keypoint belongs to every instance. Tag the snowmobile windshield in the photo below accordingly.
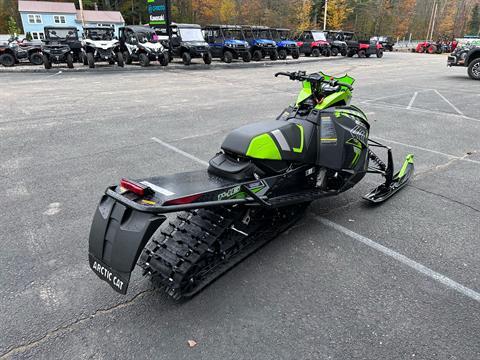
(344, 79)
(191, 34)
(319, 36)
(61, 34)
(233, 34)
(99, 34)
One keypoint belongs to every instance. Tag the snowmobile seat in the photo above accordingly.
(226, 167)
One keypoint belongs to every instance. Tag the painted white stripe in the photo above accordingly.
(449, 103)
(158, 188)
(281, 140)
(404, 260)
(171, 147)
(461, 158)
(412, 100)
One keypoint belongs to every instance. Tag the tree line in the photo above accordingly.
(398, 18)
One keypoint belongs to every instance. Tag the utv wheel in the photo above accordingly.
(186, 58)
(343, 52)
(143, 60)
(282, 54)
(127, 58)
(7, 60)
(295, 54)
(379, 53)
(36, 58)
(46, 62)
(316, 52)
(474, 69)
(90, 60)
(327, 52)
(120, 61)
(257, 55)
(227, 57)
(163, 59)
(274, 56)
(351, 53)
(70, 61)
(84, 59)
(207, 58)
(362, 53)
(334, 52)
(432, 49)
(247, 57)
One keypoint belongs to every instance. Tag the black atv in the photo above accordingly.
(61, 45)
(314, 43)
(386, 41)
(141, 43)
(187, 42)
(100, 44)
(15, 51)
(227, 42)
(256, 187)
(337, 42)
(261, 42)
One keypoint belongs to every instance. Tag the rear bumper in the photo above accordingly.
(454, 61)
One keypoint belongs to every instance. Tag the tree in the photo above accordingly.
(474, 24)
(337, 13)
(228, 11)
(405, 11)
(446, 21)
(304, 14)
(12, 26)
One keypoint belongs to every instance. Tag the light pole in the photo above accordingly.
(325, 16)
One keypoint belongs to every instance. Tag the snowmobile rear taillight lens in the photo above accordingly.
(183, 200)
(135, 187)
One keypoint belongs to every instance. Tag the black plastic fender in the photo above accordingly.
(117, 237)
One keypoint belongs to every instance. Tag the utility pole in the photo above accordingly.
(433, 22)
(325, 16)
(80, 3)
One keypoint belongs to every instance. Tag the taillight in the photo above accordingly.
(183, 200)
(135, 187)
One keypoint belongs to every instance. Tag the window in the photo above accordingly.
(59, 19)
(37, 35)
(34, 19)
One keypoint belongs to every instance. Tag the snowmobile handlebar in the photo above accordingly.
(315, 77)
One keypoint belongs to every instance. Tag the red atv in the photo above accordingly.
(362, 48)
(314, 43)
(429, 47)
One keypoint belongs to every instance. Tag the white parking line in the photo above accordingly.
(412, 100)
(449, 103)
(383, 249)
(403, 259)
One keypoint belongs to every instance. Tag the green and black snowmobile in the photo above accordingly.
(256, 187)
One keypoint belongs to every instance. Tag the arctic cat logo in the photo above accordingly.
(107, 275)
(360, 133)
(229, 193)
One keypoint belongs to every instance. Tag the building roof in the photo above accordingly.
(46, 7)
(101, 16)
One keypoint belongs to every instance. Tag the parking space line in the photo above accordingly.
(412, 100)
(461, 158)
(449, 103)
(403, 259)
(383, 249)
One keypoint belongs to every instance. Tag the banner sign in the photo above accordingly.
(158, 13)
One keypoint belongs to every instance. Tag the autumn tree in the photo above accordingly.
(304, 14)
(474, 24)
(228, 11)
(405, 10)
(446, 20)
(337, 12)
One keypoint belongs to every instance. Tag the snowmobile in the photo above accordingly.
(256, 187)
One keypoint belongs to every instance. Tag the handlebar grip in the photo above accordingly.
(350, 87)
(283, 73)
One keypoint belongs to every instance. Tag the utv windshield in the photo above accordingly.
(279, 35)
(248, 34)
(263, 34)
(318, 36)
(99, 34)
(191, 34)
(233, 34)
(61, 34)
(144, 37)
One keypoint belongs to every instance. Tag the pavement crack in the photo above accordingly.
(445, 197)
(68, 327)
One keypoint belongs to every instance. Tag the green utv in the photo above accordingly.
(256, 187)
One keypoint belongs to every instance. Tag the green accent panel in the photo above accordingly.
(357, 149)
(263, 147)
(333, 99)
(403, 170)
(305, 92)
(300, 149)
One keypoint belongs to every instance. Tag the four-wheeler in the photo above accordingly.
(61, 45)
(140, 43)
(362, 48)
(256, 187)
(430, 47)
(337, 42)
(261, 42)
(15, 51)
(100, 44)
(314, 43)
(285, 45)
(227, 42)
(467, 53)
(187, 42)
(387, 41)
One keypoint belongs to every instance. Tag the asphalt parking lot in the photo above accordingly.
(396, 281)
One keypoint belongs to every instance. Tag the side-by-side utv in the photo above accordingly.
(61, 45)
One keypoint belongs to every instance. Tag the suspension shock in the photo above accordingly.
(377, 160)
